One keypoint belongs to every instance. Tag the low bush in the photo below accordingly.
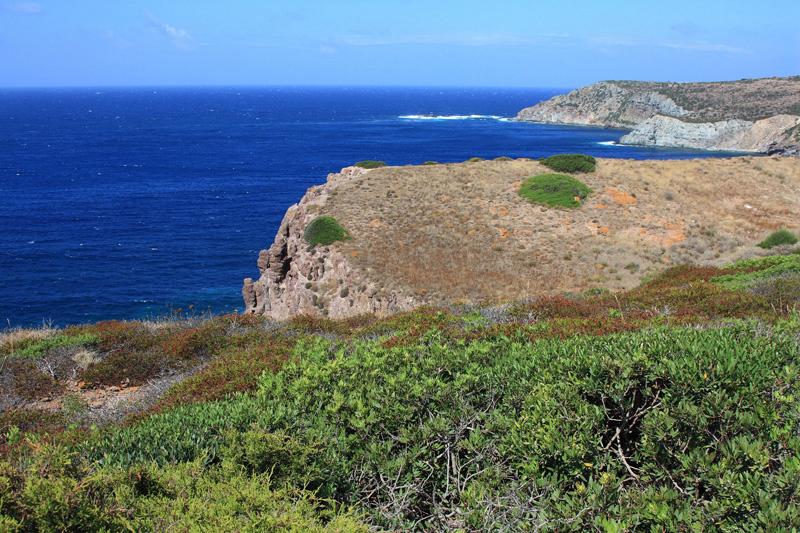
(620, 427)
(36, 348)
(570, 163)
(54, 495)
(128, 367)
(369, 163)
(474, 160)
(324, 230)
(554, 190)
(744, 274)
(237, 370)
(778, 238)
(195, 342)
(430, 163)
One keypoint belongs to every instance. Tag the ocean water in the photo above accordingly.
(133, 203)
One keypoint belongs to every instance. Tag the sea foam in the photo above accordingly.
(453, 117)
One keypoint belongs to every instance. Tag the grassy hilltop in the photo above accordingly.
(672, 405)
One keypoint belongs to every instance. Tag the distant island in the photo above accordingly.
(751, 115)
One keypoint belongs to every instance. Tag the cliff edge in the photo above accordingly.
(758, 115)
(461, 233)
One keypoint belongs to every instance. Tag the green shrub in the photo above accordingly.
(782, 236)
(503, 158)
(554, 190)
(56, 496)
(37, 348)
(324, 230)
(570, 163)
(621, 426)
(430, 163)
(744, 274)
(370, 163)
(474, 160)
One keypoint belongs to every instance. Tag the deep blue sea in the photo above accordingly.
(131, 203)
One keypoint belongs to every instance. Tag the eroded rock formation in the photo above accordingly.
(297, 279)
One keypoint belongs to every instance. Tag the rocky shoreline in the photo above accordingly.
(754, 116)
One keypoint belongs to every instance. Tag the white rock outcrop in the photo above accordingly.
(735, 135)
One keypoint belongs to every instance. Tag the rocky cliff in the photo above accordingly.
(747, 115)
(460, 233)
(297, 279)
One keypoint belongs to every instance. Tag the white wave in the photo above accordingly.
(453, 117)
(609, 143)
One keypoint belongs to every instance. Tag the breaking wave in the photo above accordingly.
(454, 117)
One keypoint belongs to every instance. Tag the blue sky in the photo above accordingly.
(409, 42)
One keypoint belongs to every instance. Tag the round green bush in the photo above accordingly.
(782, 236)
(570, 163)
(474, 160)
(369, 163)
(324, 230)
(554, 190)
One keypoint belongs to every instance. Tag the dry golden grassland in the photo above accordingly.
(460, 232)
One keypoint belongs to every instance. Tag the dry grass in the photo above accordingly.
(743, 99)
(460, 232)
(13, 338)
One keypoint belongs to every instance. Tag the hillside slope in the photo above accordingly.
(437, 234)
(759, 115)
(670, 407)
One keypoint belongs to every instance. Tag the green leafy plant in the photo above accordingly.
(570, 163)
(324, 230)
(370, 163)
(554, 190)
(778, 238)
(39, 347)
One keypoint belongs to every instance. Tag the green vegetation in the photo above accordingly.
(430, 163)
(777, 238)
(554, 190)
(34, 348)
(474, 160)
(570, 163)
(745, 274)
(673, 406)
(324, 230)
(370, 163)
(503, 158)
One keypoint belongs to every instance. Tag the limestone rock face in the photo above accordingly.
(602, 104)
(739, 135)
(296, 278)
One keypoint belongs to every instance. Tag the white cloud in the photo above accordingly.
(544, 39)
(27, 8)
(692, 46)
(473, 39)
(707, 47)
(177, 36)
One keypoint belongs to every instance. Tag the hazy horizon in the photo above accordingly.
(310, 43)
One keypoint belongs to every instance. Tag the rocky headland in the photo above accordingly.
(754, 115)
(460, 233)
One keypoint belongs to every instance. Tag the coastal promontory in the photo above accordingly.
(464, 234)
(752, 115)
